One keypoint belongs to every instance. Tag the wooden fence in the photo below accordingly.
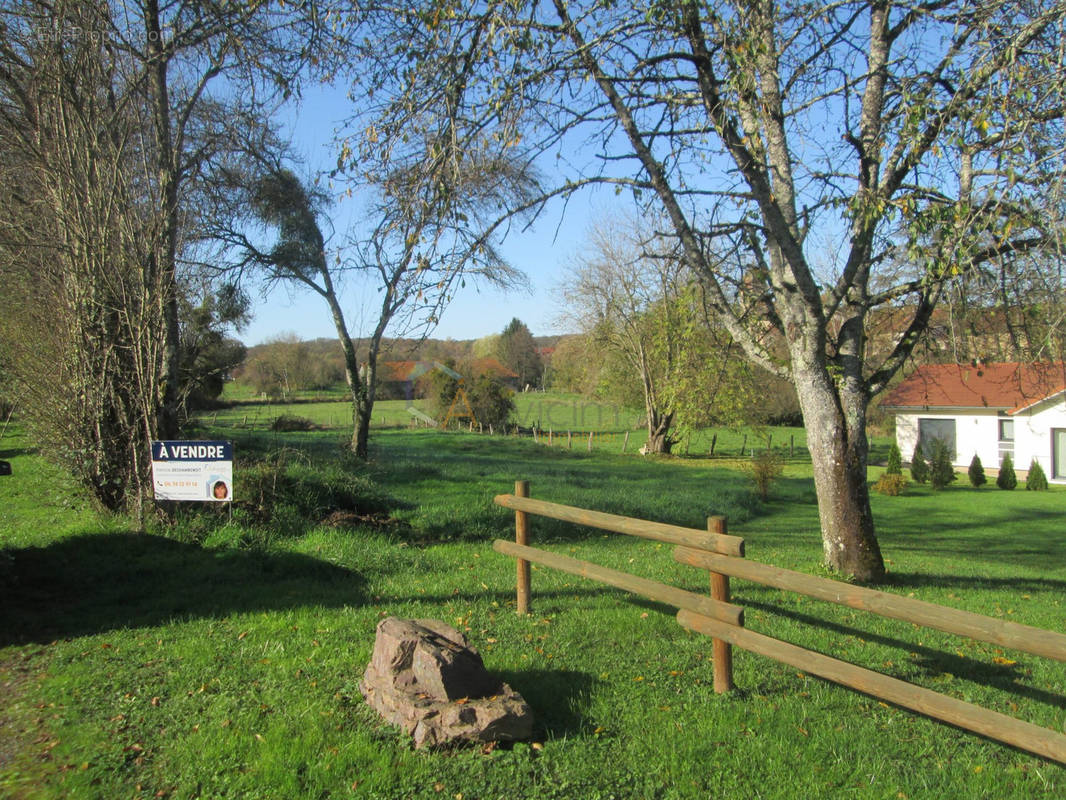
(715, 616)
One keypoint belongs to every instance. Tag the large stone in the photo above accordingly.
(425, 677)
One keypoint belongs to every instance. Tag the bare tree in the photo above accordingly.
(633, 295)
(425, 244)
(82, 311)
(184, 59)
(795, 150)
(626, 297)
(111, 113)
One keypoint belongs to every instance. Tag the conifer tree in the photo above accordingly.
(895, 461)
(1036, 480)
(919, 469)
(941, 471)
(1006, 478)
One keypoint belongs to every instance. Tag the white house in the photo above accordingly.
(986, 409)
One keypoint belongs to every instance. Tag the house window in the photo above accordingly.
(1006, 439)
(930, 430)
(1058, 453)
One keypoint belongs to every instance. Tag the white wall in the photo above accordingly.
(1032, 431)
(978, 432)
(906, 434)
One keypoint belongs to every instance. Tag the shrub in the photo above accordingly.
(491, 402)
(1006, 478)
(891, 484)
(895, 462)
(289, 496)
(291, 422)
(763, 470)
(941, 470)
(1036, 480)
(977, 472)
(919, 469)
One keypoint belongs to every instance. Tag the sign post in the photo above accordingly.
(193, 471)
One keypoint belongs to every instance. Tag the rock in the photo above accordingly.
(425, 677)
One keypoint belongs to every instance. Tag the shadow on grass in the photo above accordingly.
(102, 581)
(913, 580)
(1039, 548)
(559, 699)
(15, 452)
(932, 661)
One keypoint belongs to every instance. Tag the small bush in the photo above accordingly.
(291, 422)
(1036, 480)
(976, 472)
(895, 461)
(941, 470)
(763, 470)
(1006, 478)
(289, 497)
(891, 484)
(919, 469)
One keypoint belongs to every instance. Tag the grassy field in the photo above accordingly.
(566, 420)
(221, 657)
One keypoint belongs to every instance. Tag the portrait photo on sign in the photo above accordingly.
(218, 488)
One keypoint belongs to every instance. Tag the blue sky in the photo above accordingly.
(542, 254)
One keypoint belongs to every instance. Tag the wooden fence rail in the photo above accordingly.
(721, 555)
(950, 620)
(1015, 732)
(659, 531)
(659, 592)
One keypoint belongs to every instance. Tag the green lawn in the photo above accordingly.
(563, 420)
(221, 658)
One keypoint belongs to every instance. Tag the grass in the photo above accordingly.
(564, 420)
(223, 660)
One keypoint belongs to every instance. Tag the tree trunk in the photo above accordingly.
(166, 268)
(659, 439)
(835, 423)
(362, 411)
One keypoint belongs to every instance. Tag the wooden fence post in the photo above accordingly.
(722, 650)
(521, 536)
(590, 442)
(625, 442)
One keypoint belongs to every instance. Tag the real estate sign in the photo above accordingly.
(188, 470)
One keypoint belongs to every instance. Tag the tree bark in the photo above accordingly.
(361, 383)
(363, 408)
(839, 448)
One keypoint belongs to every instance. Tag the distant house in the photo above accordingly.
(990, 410)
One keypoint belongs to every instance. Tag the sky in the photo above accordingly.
(542, 253)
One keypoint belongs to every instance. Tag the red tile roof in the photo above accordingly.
(1010, 387)
(410, 370)
(491, 367)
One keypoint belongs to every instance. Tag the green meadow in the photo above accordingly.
(219, 656)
